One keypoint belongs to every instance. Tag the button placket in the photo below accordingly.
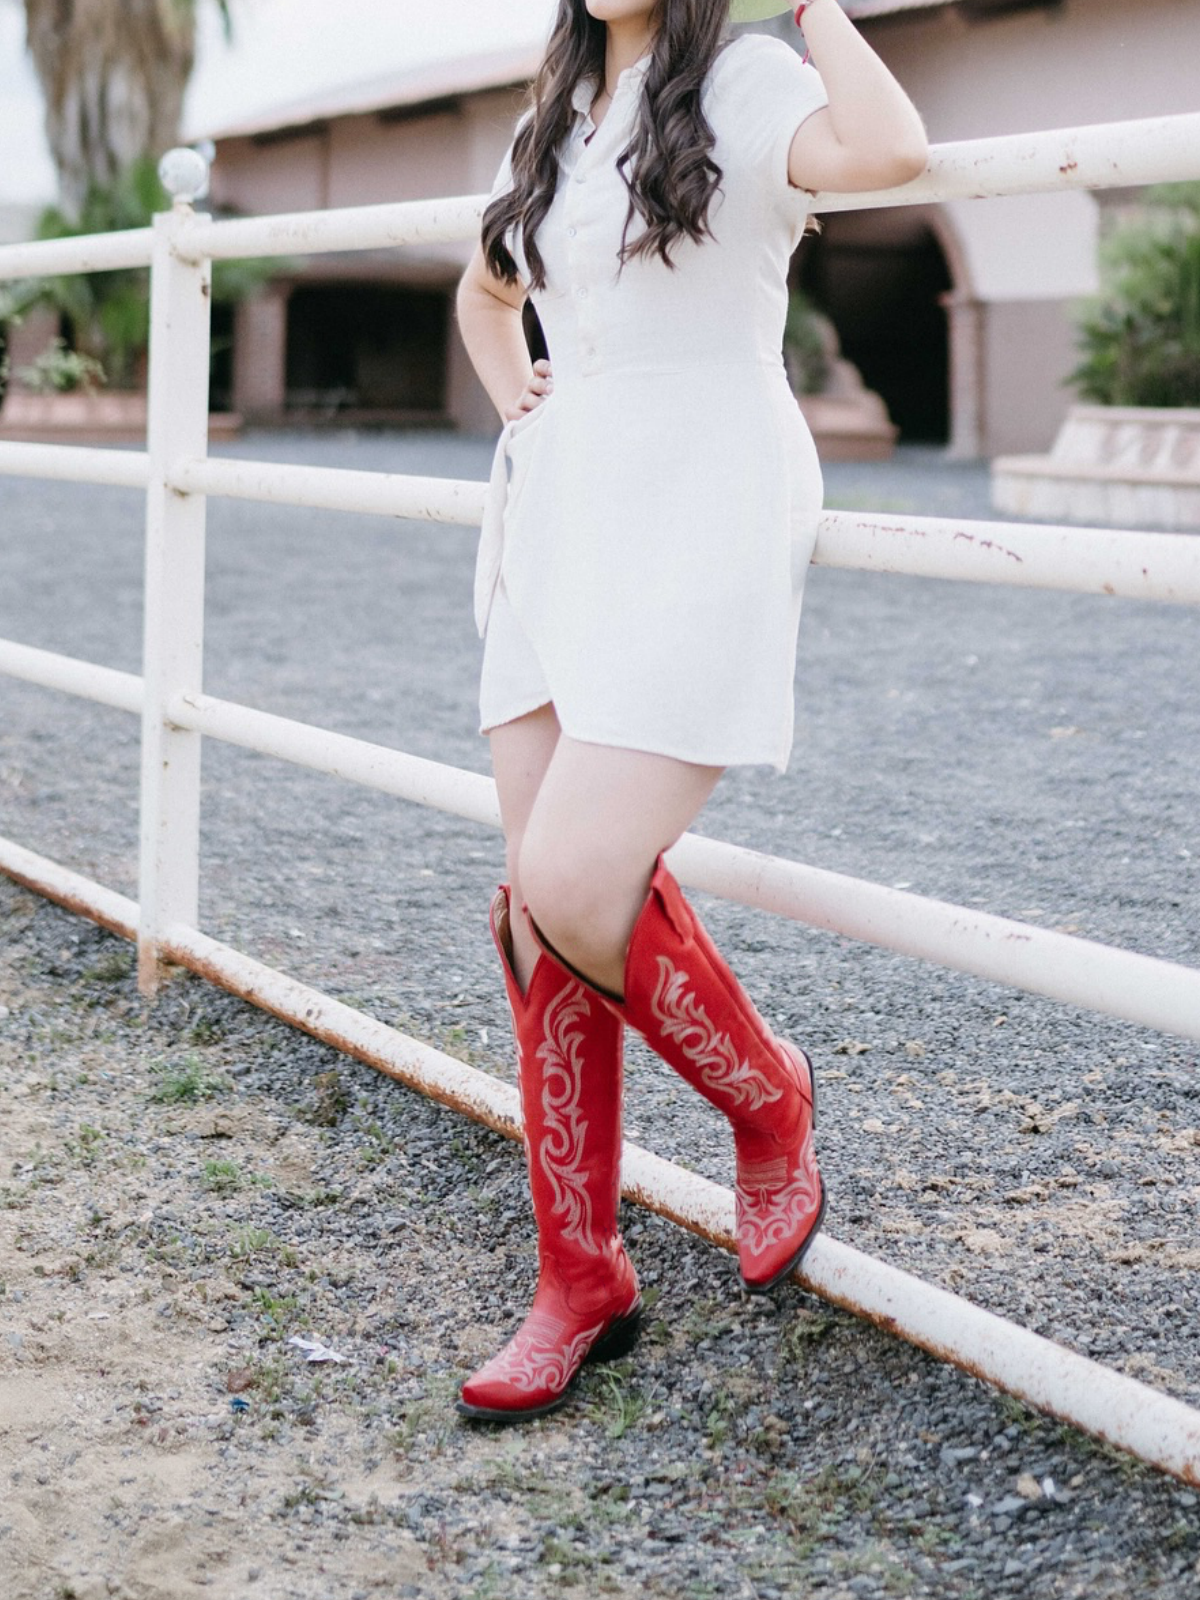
(582, 265)
(583, 153)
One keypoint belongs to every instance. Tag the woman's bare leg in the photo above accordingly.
(600, 819)
(587, 1305)
(521, 753)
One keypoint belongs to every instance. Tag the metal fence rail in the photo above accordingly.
(177, 477)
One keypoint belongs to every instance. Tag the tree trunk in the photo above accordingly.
(113, 76)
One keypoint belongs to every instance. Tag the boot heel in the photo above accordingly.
(803, 1055)
(619, 1340)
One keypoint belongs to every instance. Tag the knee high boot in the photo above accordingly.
(682, 997)
(587, 1306)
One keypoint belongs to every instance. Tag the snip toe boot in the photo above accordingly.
(682, 997)
(587, 1306)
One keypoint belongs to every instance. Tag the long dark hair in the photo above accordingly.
(667, 164)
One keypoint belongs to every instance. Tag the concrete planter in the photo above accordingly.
(115, 418)
(1111, 466)
(850, 427)
(848, 421)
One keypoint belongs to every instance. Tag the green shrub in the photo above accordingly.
(805, 346)
(1141, 338)
(109, 312)
(61, 371)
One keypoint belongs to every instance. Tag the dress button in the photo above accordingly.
(579, 176)
(571, 232)
(581, 292)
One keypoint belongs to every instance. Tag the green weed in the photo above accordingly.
(798, 1336)
(204, 1031)
(813, 1507)
(718, 1422)
(423, 1423)
(222, 1176)
(251, 1241)
(85, 1146)
(279, 1312)
(186, 1082)
(331, 1099)
(113, 966)
(614, 1404)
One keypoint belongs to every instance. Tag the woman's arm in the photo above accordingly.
(870, 136)
(489, 319)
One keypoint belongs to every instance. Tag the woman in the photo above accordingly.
(650, 520)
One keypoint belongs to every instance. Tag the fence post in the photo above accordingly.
(173, 646)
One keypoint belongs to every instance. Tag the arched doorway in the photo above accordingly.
(882, 278)
(370, 350)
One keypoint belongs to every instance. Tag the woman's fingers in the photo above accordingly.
(540, 385)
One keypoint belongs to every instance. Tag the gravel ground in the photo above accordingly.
(184, 1188)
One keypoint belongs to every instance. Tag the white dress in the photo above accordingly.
(649, 526)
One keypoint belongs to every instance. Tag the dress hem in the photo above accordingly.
(617, 742)
(515, 716)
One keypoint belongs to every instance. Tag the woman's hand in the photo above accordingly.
(539, 387)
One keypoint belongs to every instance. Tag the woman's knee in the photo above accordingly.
(550, 884)
(513, 844)
(572, 901)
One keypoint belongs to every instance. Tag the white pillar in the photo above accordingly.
(260, 354)
(965, 315)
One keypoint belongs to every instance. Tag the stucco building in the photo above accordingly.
(959, 315)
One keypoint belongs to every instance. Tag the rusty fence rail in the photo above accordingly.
(178, 477)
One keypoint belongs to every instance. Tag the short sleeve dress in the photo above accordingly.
(648, 527)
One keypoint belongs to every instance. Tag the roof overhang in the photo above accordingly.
(864, 10)
(431, 82)
(453, 78)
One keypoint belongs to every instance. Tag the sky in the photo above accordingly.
(284, 50)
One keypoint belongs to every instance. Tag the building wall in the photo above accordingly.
(1079, 62)
(370, 159)
(364, 160)
(1016, 265)
(1029, 347)
(1019, 264)
(283, 173)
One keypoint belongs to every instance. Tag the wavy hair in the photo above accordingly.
(667, 165)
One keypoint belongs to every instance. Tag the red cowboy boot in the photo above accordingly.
(681, 996)
(587, 1306)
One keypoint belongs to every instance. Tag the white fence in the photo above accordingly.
(178, 477)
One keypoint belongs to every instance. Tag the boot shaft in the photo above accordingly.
(569, 1075)
(682, 997)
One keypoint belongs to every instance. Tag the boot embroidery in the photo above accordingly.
(770, 1210)
(536, 1358)
(763, 1174)
(685, 1021)
(560, 1152)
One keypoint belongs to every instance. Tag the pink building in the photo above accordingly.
(959, 315)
